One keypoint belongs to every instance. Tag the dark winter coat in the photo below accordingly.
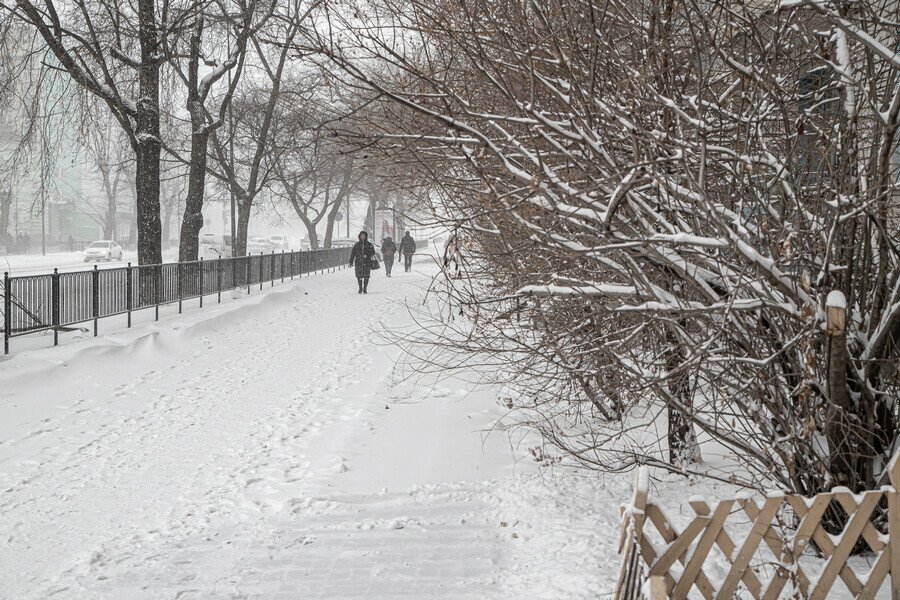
(361, 258)
(407, 245)
(388, 249)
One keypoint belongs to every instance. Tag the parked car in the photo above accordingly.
(256, 245)
(342, 241)
(215, 245)
(103, 250)
(280, 242)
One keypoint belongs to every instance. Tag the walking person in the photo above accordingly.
(388, 250)
(407, 249)
(361, 259)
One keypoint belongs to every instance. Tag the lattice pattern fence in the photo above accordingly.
(772, 555)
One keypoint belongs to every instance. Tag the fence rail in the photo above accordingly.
(763, 562)
(56, 301)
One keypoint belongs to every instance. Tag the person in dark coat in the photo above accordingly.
(361, 260)
(388, 250)
(407, 249)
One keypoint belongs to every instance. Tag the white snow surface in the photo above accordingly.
(258, 449)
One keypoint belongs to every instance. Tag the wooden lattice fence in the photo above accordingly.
(708, 559)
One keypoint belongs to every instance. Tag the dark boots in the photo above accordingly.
(360, 282)
(365, 289)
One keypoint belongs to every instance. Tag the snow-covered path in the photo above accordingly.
(258, 450)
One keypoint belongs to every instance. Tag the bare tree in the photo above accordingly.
(113, 50)
(224, 25)
(244, 160)
(316, 173)
(107, 152)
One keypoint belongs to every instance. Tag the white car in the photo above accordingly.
(258, 244)
(103, 250)
(280, 242)
(215, 245)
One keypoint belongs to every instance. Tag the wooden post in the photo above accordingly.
(836, 306)
(657, 588)
(894, 524)
(639, 505)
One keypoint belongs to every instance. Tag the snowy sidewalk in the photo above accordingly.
(257, 450)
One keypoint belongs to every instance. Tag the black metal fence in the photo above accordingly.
(54, 302)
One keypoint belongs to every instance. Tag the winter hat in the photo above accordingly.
(362, 233)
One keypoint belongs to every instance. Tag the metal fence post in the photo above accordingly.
(262, 259)
(128, 292)
(249, 261)
(54, 306)
(7, 313)
(219, 278)
(95, 296)
(201, 282)
(158, 288)
(282, 266)
(178, 275)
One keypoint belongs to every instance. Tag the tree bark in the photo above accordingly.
(683, 446)
(192, 222)
(5, 205)
(244, 206)
(311, 233)
(148, 139)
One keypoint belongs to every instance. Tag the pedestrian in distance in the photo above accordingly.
(388, 251)
(407, 249)
(71, 243)
(361, 259)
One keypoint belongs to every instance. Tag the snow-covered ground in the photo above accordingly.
(264, 448)
(257, 449)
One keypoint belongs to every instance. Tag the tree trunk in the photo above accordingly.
(329, 225)
(344, 192)
(148, 140)
(5, 205)
(243, 223)
(312, 234)
(168, 209)
(683, 446)
(192, 222)
(109, 219)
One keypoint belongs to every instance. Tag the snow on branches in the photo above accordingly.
(653, 201)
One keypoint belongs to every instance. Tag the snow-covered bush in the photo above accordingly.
(652, 200)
